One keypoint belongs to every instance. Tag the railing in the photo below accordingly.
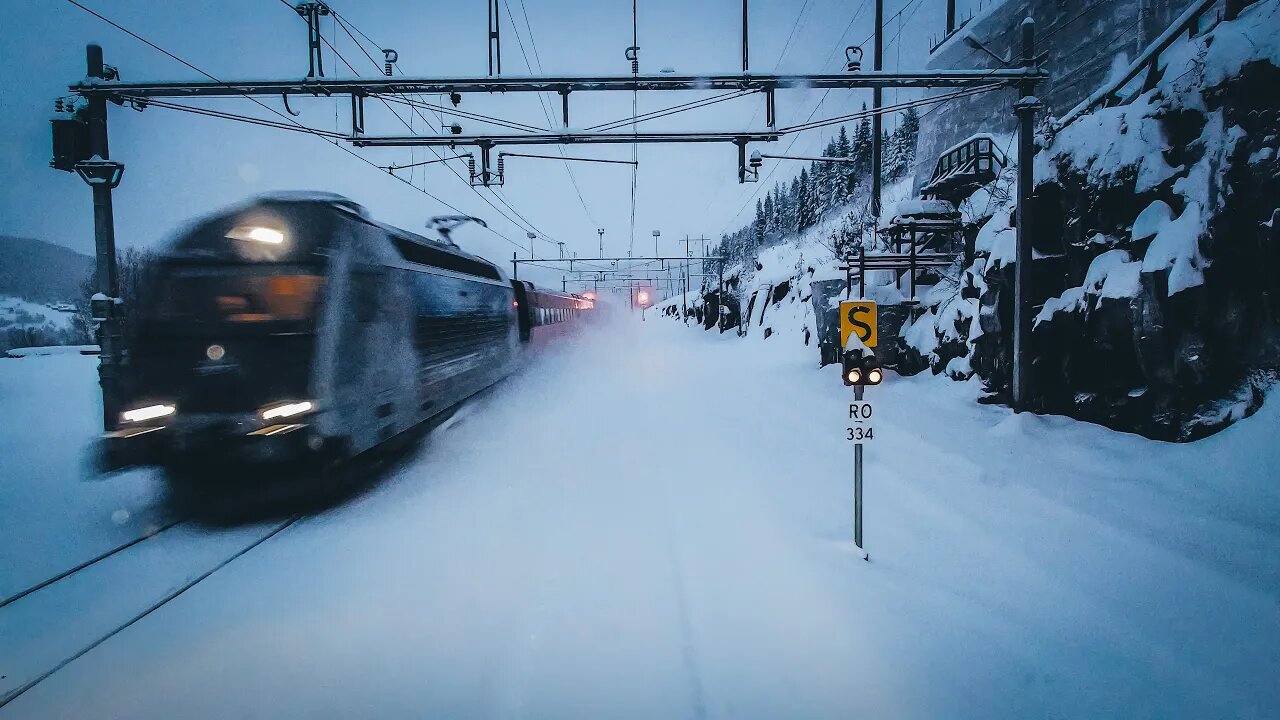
(1149, 60)
(911, 262)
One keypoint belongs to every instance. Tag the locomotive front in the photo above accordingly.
(221, 362)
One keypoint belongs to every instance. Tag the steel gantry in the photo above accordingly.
(78, 149)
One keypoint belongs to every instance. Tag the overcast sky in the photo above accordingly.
(180, 166)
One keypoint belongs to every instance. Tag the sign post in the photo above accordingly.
(858, 334)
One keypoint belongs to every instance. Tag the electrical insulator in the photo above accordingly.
(391, 57)
(471, 167)
(57, 105)
(455, 98)
(456, 129)
(853, 57)
(501, 166)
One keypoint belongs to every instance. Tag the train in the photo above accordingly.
(295, 328)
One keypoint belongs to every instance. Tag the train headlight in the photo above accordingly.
(149, 412)
(285, 410)
(855, 376)
(256, 233)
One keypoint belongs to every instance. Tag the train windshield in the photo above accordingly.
(238, 295)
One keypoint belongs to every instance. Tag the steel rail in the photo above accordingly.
(92, 561)
(15, 694)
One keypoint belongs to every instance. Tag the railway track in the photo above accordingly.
(89, 563)
(14, 694)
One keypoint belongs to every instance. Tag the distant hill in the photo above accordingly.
(40, 271)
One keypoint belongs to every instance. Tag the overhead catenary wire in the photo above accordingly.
(533, 45)
(392, 167)
(511, 124)
(890, 108)
(759, 185)
(409, 125)
(270, 109)
(674, 109)
(486, 200)
(225, 115)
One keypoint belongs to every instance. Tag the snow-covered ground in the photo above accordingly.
(657, 522)
(16, 312)
(54, 511)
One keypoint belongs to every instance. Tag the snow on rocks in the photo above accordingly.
(1071, 300)
(1176, 247)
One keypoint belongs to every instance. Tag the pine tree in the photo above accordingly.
(759, 223)
(804, 203)
(861, 151)
(770, 219)
(840, 177)
(842, 143)
(793, 205)
(910, 128)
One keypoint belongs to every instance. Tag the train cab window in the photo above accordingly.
(230, 295)
(984, 146)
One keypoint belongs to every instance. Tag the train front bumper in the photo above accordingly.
(215, 438)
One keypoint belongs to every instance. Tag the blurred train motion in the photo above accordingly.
(297, 328)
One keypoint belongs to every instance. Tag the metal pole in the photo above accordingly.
(744, 36)
(857, 484)
(684, 296)
(515, 267)
(600, 231)
(104, 237)
(1022, 312)
(876, 123)
(862, 274)
(951, 15)
(495, 40)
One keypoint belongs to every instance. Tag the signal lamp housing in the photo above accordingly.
(858, 369)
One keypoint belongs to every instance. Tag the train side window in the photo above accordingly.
(364, 295)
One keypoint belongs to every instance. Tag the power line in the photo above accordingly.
(756, 191)
(288, 119)
(224, 115)
(891, 108)
(342, 21)
(573, 179)
(674, 109)
(460, 113)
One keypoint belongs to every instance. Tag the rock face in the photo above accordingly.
(1156, 247)
(1082, 42)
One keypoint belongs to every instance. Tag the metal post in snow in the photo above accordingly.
(857, 485)
(104, 237)
(1025, 109)
(862, 274)
(515, 267)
